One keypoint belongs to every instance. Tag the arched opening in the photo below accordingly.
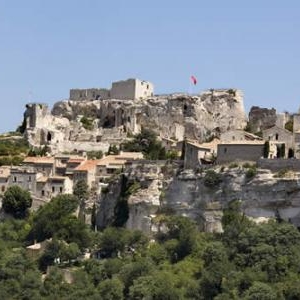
(49, 137)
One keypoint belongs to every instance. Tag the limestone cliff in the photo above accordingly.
(110, 121)
(162, 190)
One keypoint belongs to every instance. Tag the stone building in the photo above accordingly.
(4, 175)
(112, 164)
(23, 176)
(196, 154)
(129, 89)
(296, 133)
(238, 135)
(41, 164)
(277, 137)
(89, 94)
(86, 171)
(240, 151)
(48, 187)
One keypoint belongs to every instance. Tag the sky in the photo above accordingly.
(49, 47)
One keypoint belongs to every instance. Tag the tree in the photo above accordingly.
(16, 201)
(111, 289)
(266, 149)
(81, 192)
(146, 142)
(260, 291)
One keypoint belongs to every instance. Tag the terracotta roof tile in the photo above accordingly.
(39, 160)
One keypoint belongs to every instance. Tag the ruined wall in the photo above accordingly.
(89, 94)
(261, 118)
(171, 116)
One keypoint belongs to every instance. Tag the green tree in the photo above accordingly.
(266, 149)
(146, 142)
(212, 179)
(81, 192)
(261, 291)
(16, 201)
(111, 289)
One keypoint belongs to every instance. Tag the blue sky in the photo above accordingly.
(48, 47)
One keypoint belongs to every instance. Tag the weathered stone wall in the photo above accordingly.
(89, 94)
(124, 89)
(261, 118)
(278, 164)
(173, 116)
(239, 152)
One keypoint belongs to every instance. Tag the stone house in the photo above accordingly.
(129, 89)
(48, 187)
(195, 154)
(25, 177)
(41, 164)
(35, 250)
(72, 164)
(86, 171)
(112, 164)
(278, 136)
(238, 135)
(4, 176)
(240, 151)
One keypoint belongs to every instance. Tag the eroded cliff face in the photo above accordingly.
(186, 193)
(171, 116)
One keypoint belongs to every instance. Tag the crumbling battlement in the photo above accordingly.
(129, 89)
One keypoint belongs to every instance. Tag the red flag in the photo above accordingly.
(194, 79)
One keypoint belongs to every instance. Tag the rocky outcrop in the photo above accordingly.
(171, 116)
(261, 118)
(265, 195)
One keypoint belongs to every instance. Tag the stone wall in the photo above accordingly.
(261, 118)
(278, 164)
(239, 152)
(89, 94)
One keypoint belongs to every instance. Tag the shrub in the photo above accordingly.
(212, 179)
(233, 165)
(87, 123)
(251, 172)
(282, 173)
(16, 201)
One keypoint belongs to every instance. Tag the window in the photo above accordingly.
(53, 189)
(225, 150)
(60, 189)
(29, 178)
(233, 138)
(276, 136)
(15, 179)
(147, 86)
(43, 193)
(3, 188)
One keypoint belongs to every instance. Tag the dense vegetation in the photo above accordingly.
(147, 143)
(12, 150)
(246, 261)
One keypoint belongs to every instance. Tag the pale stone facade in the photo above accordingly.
(238, 135)
(193, 154)
(278, 136)
(89, 94)
(131, 89)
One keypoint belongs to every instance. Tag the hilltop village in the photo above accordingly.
(206, 131)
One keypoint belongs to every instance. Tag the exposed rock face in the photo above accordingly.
(261, 118)
(186, 194)
(171, 116)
